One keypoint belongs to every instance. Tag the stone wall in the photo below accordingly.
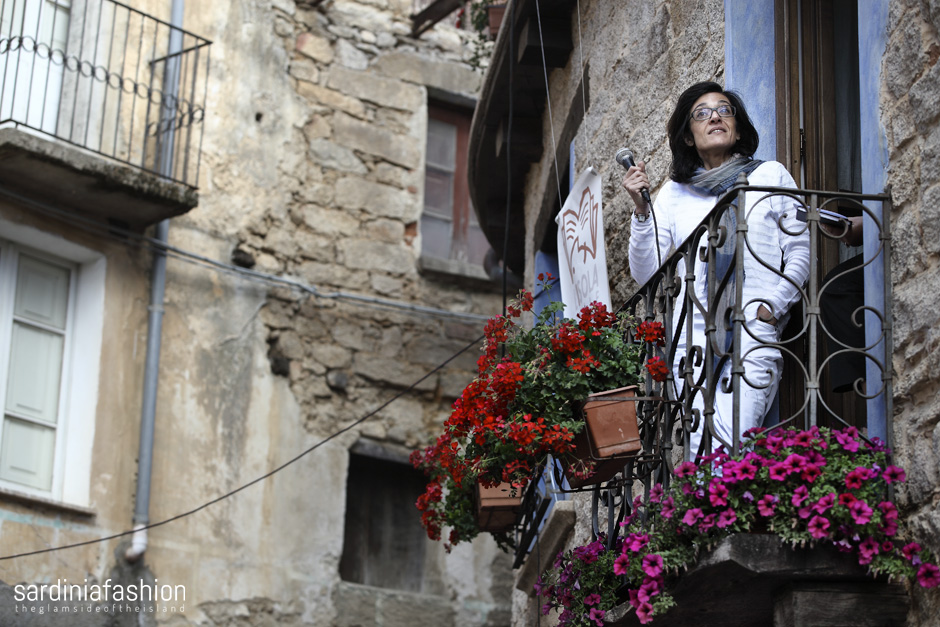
(909, 114)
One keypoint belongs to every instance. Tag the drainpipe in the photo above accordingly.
(157, 291)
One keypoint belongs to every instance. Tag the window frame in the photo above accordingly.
(81, 361)
(464, 218)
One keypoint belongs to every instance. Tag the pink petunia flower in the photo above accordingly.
(653, 565)
(644, 611)
(767, 504)
(597, 616)
(621, 564)
(727, 518)
(779, 472)
(717, 493)
(818, 527)
(823, 504)
(889, 510)
(847, 499)
(656, 493)
(861, 512)
(894, 474)
(707, 523)
(685, 469)
(810, 473)
(669, 508)
(928, 576)
(799, 495)
(635, 542)
(854, 479)
(692, 515)
(867, 550)
(846, 438)
(910, 550)
(592, 599)
(746, 470)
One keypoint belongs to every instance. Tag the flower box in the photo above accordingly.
(611, 433)
(611, 422)
(495, 13)
(498, 507)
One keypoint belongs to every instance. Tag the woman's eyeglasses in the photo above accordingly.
(705, 113)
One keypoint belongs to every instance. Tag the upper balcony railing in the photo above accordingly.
(829, 367)
(108, 78)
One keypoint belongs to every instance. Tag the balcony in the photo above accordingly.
(704, 279)
(104, 102)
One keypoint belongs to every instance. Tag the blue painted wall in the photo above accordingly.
(749, 66)
(872, 40)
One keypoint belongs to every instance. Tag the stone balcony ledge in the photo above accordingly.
(756, 580)
(67, 178)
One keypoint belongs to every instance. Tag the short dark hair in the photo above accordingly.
(685, 159)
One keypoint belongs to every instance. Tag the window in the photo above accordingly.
(449, 228)
(51, 311)
(35, 310)
(33, 73)
(820, 137)
(384, 544)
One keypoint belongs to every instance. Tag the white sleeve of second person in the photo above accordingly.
(795, 249)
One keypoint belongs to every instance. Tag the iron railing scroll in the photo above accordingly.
(692, 282)
(108, 78)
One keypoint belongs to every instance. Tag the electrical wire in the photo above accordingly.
(133, 238)
(267, 475)
(548, 100)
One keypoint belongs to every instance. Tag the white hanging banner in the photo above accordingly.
(582, 257)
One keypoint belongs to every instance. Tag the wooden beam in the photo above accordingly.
(432, 14)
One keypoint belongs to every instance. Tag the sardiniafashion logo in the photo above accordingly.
(109, 597)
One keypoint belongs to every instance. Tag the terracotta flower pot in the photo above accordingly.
(497, 508)
(611, 422)
(495, 14)
(611, 432)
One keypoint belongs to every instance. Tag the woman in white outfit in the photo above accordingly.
(712, 141)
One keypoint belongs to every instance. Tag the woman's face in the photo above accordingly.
(715, 137)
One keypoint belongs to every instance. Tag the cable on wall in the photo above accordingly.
(266, 475)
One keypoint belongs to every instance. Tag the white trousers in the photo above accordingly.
(762, 367)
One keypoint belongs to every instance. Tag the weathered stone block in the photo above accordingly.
(355, 606)
(331, 355)
(903, 63)
(364, 254)
(384, 230)
(391, 370)
(924, 95)
(330, 155)
(421, 70)
(373, 88)
(378, 199)
(317, 48)
(930, 219)
(377, 141)
(348, 55)
(355, 14)
(398, 610)
(386, 285)
(330, 222)
(330, 98)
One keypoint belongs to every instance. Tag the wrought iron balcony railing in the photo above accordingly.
(840, 324)
(108, 78)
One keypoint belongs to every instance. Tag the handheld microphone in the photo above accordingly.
(625, 158)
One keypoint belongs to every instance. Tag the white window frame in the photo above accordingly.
(81, 359)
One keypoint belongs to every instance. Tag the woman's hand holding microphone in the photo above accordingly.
(636, 182)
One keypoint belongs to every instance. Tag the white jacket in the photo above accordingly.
(679, 209)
